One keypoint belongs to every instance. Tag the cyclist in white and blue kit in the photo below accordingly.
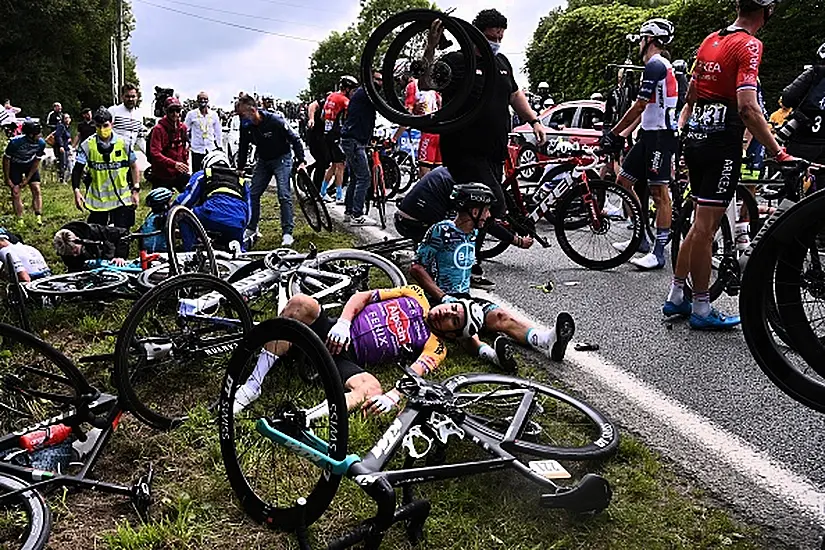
(652, 158)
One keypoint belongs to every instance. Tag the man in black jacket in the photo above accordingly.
(98, 242)
(806, 95)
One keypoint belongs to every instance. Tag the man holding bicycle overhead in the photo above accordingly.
(651, 158)
(442, 267)
(721, 103)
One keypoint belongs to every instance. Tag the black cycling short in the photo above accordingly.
(334, 152)
(714, 173)
(411, 229)
(20, 171)
(345, 361)
(651, 158)
(812, 152)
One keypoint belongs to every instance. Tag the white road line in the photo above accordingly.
(761, 469)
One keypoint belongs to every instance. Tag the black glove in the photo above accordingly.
(610, 142)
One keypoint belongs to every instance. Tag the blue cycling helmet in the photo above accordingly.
(158, 199)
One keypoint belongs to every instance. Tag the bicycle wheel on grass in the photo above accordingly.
(591, 245)
(269, 478)
(13, 302)
(310, 202)
(172, 350)
(81, 283)
(188, 246)
(25, 520)
(558, 425)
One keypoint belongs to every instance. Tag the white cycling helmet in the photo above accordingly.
(473, 317)
(658, 28)
(821, 52)
(215, 157)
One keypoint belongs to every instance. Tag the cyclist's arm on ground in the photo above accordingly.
(425, 257)
(419, 273)
(434, 352)
(795, 93)
(357, 303)
(751, 114)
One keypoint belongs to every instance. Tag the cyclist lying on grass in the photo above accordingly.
(377, 327)
(27, 261)
(442, 266)
(74, 253)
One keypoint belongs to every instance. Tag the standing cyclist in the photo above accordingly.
(722, 102)
(21, 167)
(806, 95)
(335, 110)
(651, 158)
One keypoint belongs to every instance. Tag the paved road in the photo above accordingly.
(721, 419)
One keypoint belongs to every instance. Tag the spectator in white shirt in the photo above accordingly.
(127, 121)
(204, 127)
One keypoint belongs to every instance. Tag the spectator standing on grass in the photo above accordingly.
(85, 127)
(21, 167)
(54, 117)
(62, 142)
(169, 149)
(204, 126)
(127, 122)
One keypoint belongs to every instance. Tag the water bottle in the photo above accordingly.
(40, 439)
(742, 236)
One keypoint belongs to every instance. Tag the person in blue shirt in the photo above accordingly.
(356, 133)
(219, 198)
(21, 166)
(62, 143)
(443, 267)
(273, 138)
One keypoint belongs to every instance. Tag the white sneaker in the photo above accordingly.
(361, 221)
(244, 396)
(622, 246)
(329, 198)
(287, 240)
(648, 262)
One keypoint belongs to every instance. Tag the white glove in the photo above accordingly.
(338, 336)
(385, 402)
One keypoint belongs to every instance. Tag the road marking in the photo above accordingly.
(762, 470)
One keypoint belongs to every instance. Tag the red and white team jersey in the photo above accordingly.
(660, 89)
(429, 100)
(727, 61)
(334, 108)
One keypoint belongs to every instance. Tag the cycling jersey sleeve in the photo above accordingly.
(434, 352)
(16, 262)
(425, 256)
(655, 71)
(411, 291)
(749, 57)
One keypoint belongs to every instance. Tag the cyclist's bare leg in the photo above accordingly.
(423, 170)
(17, 201)
(695, 259)
(37, 197)
(664, 213)
(360, 388)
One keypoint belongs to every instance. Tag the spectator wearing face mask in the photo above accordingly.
(204, 127)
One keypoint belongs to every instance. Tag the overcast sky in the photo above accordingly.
(188, 54)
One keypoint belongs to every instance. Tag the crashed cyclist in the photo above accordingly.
(442, 266)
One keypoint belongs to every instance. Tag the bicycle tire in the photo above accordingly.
(204, 259)
(80, 283)
(395, 277)
(595, 436)
(152, 277)
(412, 171)
(380, 195)
(758, 282)
(498, 246)
(392, 174)
(183, 366)
(283, 513)
(14, 297)
(306, 199)
(38, 515)
(568, 207)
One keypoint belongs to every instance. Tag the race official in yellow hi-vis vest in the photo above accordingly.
(110, 198)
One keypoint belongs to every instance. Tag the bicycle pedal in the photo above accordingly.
(142, 494)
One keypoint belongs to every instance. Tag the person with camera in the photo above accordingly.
(110, 198)
(804, 131)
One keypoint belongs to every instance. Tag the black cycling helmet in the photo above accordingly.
(31, 127)
(102, 116)
(348, 82)
(471, 195)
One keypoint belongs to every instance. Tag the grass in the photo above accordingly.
(653, 507)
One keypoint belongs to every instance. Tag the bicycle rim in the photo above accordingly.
(591, 245)
(189, 248)
(307, 200)
(174, 346)
(267, 477)
(25, 521)
(558, 426)
(82, 283)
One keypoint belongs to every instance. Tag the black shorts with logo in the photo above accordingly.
(334, 152)
(651, 158)
(345, 361)
(20, 171)
(714, 173)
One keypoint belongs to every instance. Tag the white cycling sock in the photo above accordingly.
(266, 360)
(677, 291)
(487, 353)
(541, 339)
(701, 304)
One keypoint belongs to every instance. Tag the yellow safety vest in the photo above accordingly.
(109, 188)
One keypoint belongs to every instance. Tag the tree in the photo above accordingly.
(340, 53)
(58, 50)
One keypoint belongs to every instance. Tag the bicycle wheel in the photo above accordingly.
(591, 245)
(557, 426)
(37, 382)
(25, 521)
(268, 478)
(173, 348)
(307, 199)
(409, 172)
(189, 248)
(392, 175)
(797, 377)
(152, 277)
(366, 271)
(81, 283)
(574, 222)
(379, 196)
(13, 302)
(722, 252)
